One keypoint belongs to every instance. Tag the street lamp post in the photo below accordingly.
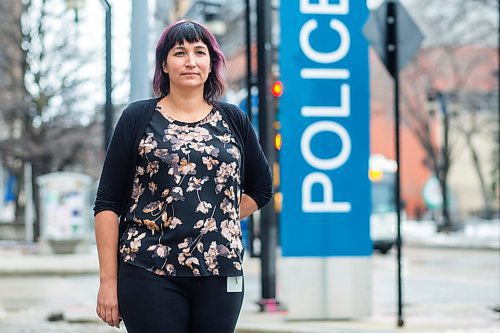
(108, 105)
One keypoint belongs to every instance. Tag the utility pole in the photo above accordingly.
(269, 230)
(139, 81)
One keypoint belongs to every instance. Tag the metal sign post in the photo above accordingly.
(395, 38)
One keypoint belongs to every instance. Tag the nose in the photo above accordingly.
(190, 60)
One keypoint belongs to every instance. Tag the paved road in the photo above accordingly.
(445, 290)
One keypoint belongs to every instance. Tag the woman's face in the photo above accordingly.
(188, 65)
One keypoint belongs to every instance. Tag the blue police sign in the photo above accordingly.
(324, 114)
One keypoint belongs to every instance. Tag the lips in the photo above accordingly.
(189, 73)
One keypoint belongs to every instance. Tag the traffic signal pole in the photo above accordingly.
(269, 230)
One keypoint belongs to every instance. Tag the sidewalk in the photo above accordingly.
(82, 318)
(22, 260)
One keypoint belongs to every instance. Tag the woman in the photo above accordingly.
(180, 172)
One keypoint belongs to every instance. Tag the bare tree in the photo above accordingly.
(446, 71)
(48, 124)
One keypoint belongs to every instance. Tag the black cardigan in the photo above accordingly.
(115, 185)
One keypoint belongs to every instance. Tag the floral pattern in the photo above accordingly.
(183, 218)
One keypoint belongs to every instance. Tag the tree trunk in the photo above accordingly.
(488, 211)
(446, 225)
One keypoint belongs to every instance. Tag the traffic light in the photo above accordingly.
(277, 89)
(277, 136)
(277, 141)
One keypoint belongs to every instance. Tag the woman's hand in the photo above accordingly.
(106, 235)
(107, 304)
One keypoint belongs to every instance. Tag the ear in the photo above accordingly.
(164, 67)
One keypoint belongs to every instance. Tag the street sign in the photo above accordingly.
(409, 34)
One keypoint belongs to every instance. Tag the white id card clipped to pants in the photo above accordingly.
(234, 284)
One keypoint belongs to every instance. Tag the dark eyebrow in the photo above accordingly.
(196, 47)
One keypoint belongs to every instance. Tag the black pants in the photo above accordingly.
(151, 303)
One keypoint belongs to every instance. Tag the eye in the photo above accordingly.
(179, 53)
(200, 52)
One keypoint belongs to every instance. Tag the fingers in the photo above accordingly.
(114, 317)
(109, 314)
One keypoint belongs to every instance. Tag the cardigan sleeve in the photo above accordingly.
(114, 175)
(258, 181)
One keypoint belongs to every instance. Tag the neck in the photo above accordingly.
(186, 100)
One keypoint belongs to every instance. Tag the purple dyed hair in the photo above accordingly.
(190, 31)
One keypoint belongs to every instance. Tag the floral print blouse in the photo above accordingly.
(183, 218)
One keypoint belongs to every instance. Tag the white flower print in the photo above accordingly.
(203, 207)
(152, 206)
(226, 206)
(151, 226)
(212, 119)
(170, 269)
(159, 250)
(172, 222)
(232, 232)
(209, 162)
(226, 138)
(212, 150)
(209, 225)
(163, 154)
(147, 144)
(201, 134)
(132, 232)
(182, 169)
(177, 194)
(229, 192)
(136, 243)
(153, 168)
(192, 261)
(139, 171)
(196, 183)
(234, 152)
(210, 257)
(199, 224)
(152, 187)
(186, 244)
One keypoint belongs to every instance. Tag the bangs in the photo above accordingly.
(186, 32)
